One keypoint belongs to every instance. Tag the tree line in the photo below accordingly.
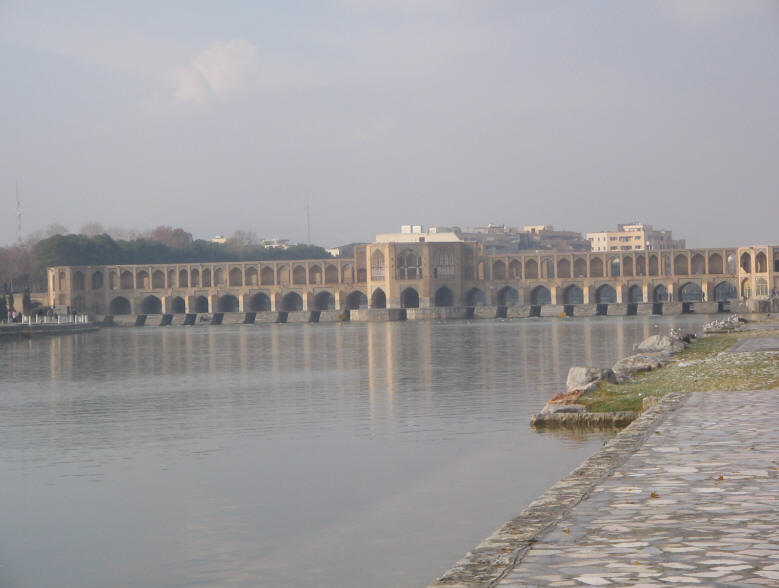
(23, 265)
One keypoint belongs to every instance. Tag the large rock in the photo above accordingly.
(640, 362)
(660, 344)
(584, 379)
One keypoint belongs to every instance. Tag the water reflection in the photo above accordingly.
(219, 455)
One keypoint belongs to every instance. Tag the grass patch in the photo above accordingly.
(702, 366)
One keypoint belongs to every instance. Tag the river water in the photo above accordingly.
(344, 455)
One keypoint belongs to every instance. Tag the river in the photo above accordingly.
(343, 455)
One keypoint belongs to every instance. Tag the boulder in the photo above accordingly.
(584, 379)
(640, 362)
(660, 344)
(551, 408)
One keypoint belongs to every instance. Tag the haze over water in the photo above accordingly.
(282, 455)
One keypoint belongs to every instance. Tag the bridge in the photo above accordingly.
(434, 275)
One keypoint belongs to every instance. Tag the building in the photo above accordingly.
(634, 237)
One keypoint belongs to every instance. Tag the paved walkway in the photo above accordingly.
(697, 505)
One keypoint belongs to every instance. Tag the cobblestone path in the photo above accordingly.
(697, 505)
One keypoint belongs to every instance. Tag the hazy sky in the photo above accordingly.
(217, 116)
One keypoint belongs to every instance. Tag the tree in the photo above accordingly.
(176, 238)
(91, 229)
(11, 301)
(26, 301)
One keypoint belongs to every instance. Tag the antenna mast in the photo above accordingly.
(18, 214)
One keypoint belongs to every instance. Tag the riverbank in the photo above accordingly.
(592, 526)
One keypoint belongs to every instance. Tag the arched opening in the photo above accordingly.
(531, 269)
(151, 305)
(481, 271)
(119, 305)
(573, 294)
(378, 299)
(324, 301)
(690, 293)
(508, 296)
(409, 265)
(282, 275)
(615, 268)
(252, 277)
(292, 302)
(660, 294)
(746, 262)
(540, 295)
(97, 280)
(78, 304)
(654, 267)
(715, 263)
(259, 302)
(347, 273)
(761, 287)
(640, 265)
(549, 269)
(746, 288)
(171, 278)
(563, 268)
(606, 294)
(236, 277)
(206, 278)
(731, 262)
(201, 304)
(266, 276)
(126, 281)
(627, 267)
(357, 300)
(515, 269)
(142, 280)
(157, 280)
(409, 298)
(79, 283)
(698, 264)
(219, 277)
(299, 275)
(761, 264)
(195, 275)
(444, 264)
(444, 297)
(315, 274)
(596, 267)
(228, 303)
(183, 279)
(680, 265)
(475, 297)
(362, 275)
(498, 270)
(178, 306)
(112, 280)
(635, 294)
(377, 265)
(725, 291)
(331, 274)
(579, 268)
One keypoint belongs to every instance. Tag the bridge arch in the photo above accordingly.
(260, 302)
(596, 267)
(697, 264)
(299, 275)
(660, 293)
(378, 299)
(540, 295)
(715, 263)
(119, 305)
(97, 280)
(531, 269)
(498, 270)
(178, 306)
(377, 265)
(315, 275)
(654, 266)
(579, 268)
(515, 269)
(331, 274)
(563, 268)
(292, 302)
(635, 294)
(157, 280)
(444, 297)
(475, 297)
(252, 277)
(183, 279)
(201, 304)
(324, 301)
(151, 305)
(228, 303)
(761, 263)
(195, 278)
(690, 292)
(266, 276)
(126, 280)
(640, 265)
(409, 298)
(614, 267)
(282, 275)
(746, 262)
(171, 278)
(573, 294)
(725, 291)
(219, 277)
(142, 280)
(508, 296)
(357, 299)
(79, 282)
(746, 288)
(627, 266)
(605, 294)
(235, 277)
(206, 278)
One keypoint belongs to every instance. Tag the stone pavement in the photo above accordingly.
(756, 344)
(696, 505)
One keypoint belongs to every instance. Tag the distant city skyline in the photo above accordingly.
(218, 118)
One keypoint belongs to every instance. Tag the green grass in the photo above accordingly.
(700, 367)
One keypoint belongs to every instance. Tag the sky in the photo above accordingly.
(228, 116)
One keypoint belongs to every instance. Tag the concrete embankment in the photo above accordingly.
(18, 331)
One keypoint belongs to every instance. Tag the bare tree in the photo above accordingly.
(92, 229)
(176, 238)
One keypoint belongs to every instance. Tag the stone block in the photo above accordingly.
(435, 313)
(644, 309)
(617, 309)
(378, 314)
(552, 310)
(585, 309)
(485, 312)
(266, 316)
(299, 316)
(178, 320)
(672, 308)
(232, 318)
(333, 316)
(518, 311)
(709, 307)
